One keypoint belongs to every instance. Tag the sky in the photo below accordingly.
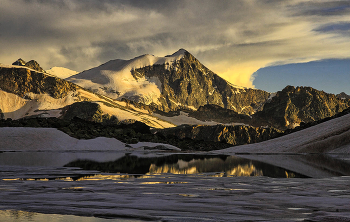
(252, 43)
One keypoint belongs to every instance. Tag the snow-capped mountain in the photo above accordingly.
(115, 79)
(169, 83)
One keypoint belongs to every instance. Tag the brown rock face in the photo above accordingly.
(32, 64)
(235, 135)
(343, 95)
(219, 114)
(188, 83)
(21, 81)
(291, 106)
(19, 62)
(85, 110)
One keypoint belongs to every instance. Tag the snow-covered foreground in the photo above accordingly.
(332, 136)
(49, 139)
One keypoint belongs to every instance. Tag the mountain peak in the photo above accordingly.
(179, 53)
(32, 64)
(19, 62)
(343, 95)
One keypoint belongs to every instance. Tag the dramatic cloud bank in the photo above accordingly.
(233, 38)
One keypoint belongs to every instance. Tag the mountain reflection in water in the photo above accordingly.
(219, 166)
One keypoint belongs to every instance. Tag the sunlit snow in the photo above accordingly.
(115, 80)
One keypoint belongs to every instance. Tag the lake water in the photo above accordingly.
(116, 186)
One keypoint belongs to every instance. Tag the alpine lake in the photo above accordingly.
(163, 186)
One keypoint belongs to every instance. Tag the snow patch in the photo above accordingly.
(61, 72)
(15, 107)
(270, 97)
(183, 118)
(34, 139)
(124, 114)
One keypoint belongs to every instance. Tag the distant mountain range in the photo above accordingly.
(343, 95)
(162, 92)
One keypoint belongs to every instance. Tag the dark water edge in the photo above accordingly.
(81, 164)
(187, 164)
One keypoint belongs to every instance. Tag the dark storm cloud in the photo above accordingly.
(322, 8)
(80, 34)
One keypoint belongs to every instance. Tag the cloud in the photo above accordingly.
(233, 38)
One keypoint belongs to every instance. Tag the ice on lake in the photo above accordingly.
(174, 187)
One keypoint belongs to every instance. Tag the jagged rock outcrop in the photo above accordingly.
(188, 83)
(32, 64)
(19, 62)
(87, 111)
(235, 135)
(21, 81)
(343, 95)
(293, 106)
(216, 113)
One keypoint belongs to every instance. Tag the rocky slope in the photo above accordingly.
(25, 92)
(297, 105)
(216, 113)
(21, 81)
(32, 64)
(186, 83)
(234, 135)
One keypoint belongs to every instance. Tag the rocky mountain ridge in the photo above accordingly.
(21, 81)
(234, 135)
(186, 83)
(26, 93)
(343, 95)
(297, 105)
(32, 64)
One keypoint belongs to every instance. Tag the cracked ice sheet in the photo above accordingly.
(172, 197)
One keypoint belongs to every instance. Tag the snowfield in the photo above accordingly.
(61, 72)
(183, 118)
(49, 139)
(332, 136)
(43, 105)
